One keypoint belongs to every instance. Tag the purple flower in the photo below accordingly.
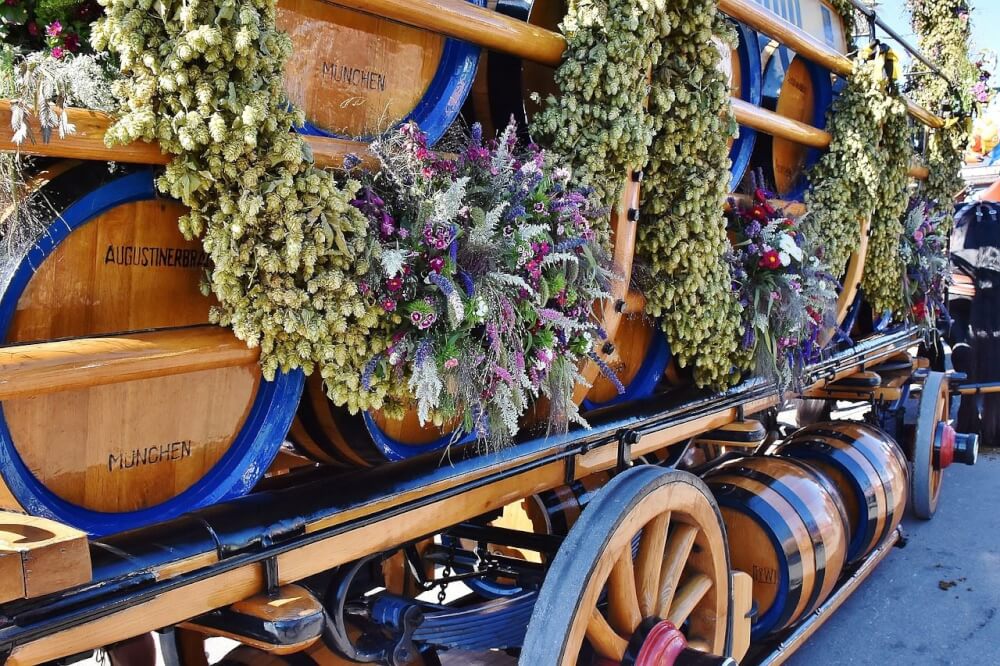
(53, 29)
(366, 376)
(389, 305)
(539, 208)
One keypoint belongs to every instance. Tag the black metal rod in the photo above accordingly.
(914, 51)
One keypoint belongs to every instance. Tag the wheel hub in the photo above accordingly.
(944, 445)
(655, 643)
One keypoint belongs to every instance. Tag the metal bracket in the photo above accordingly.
(570, 476)
(271, 575)
(626, 439)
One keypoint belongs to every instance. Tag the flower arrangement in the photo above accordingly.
(924, 251)
(55, 27)
(487, 268)
(786, 292)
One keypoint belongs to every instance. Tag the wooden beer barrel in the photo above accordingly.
(357, 75)
(330, 435)
(795, 88)
(116, 456)
(869, 471)
(787, 529)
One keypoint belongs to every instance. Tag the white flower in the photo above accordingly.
(785, 259)
(787, 244)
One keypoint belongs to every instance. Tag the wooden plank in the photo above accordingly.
(777, 125)
(63, 365)
(742, 604)
(88, 143)
(40, 556)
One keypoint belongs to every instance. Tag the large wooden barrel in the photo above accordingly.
(357, 75)
(113, 457)
(787, 528)
(795, 88)
(869, 471)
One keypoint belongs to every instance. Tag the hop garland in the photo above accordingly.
(846, 182)
(682, 234)
(884, 267)
(599, 122)
(204, 78)
(943, 29)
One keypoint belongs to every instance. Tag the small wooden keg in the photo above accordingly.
(111, 457)
(795, 88)
(787, 529)
(869, 471)
(357, 75)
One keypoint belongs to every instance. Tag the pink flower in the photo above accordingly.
(57, 52)
(394, 284)
(436, 264)
(389, 305)
(451, 363)
(53, 30)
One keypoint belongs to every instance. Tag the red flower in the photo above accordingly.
(388, 305)
(33, 29)
(919, 310)
(394, 284)
(759, 213)
(436, 264)
(770, 259)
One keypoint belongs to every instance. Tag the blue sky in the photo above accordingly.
(985, 21)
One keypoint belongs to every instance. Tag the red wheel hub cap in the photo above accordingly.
(663, 644)
(944, 446)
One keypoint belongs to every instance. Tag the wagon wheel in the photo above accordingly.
(932, 433)
(667, 605)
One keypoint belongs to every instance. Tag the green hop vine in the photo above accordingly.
(682, 233)
(846, 181)
(204, 78)
(884, 267)
(943, 29)
(599, 121)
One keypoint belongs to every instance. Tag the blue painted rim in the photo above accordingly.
(243, 464)
(742, 148)
(648, 378)
(394, 450)
(768, 519)
(823, 89)
(445, 95)
(883, 323)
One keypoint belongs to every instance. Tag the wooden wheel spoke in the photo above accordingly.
(623, 602)
(647, 572)
(689, 596)
(604, 639)
(678, 549)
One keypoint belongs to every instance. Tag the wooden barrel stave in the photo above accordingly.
(787, 529)
(798, 89)
(868, 469)
(117, 456)
(356, 75)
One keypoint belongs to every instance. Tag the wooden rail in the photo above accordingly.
(769, 122)
(758, 18)
(64, 365)
(88, 143)
(476, 25)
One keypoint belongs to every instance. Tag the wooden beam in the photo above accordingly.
(87, 143)
(65, 365)
(769, 23)
(476, 25)
(777, 125)
(769, 122)
(39, 556)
